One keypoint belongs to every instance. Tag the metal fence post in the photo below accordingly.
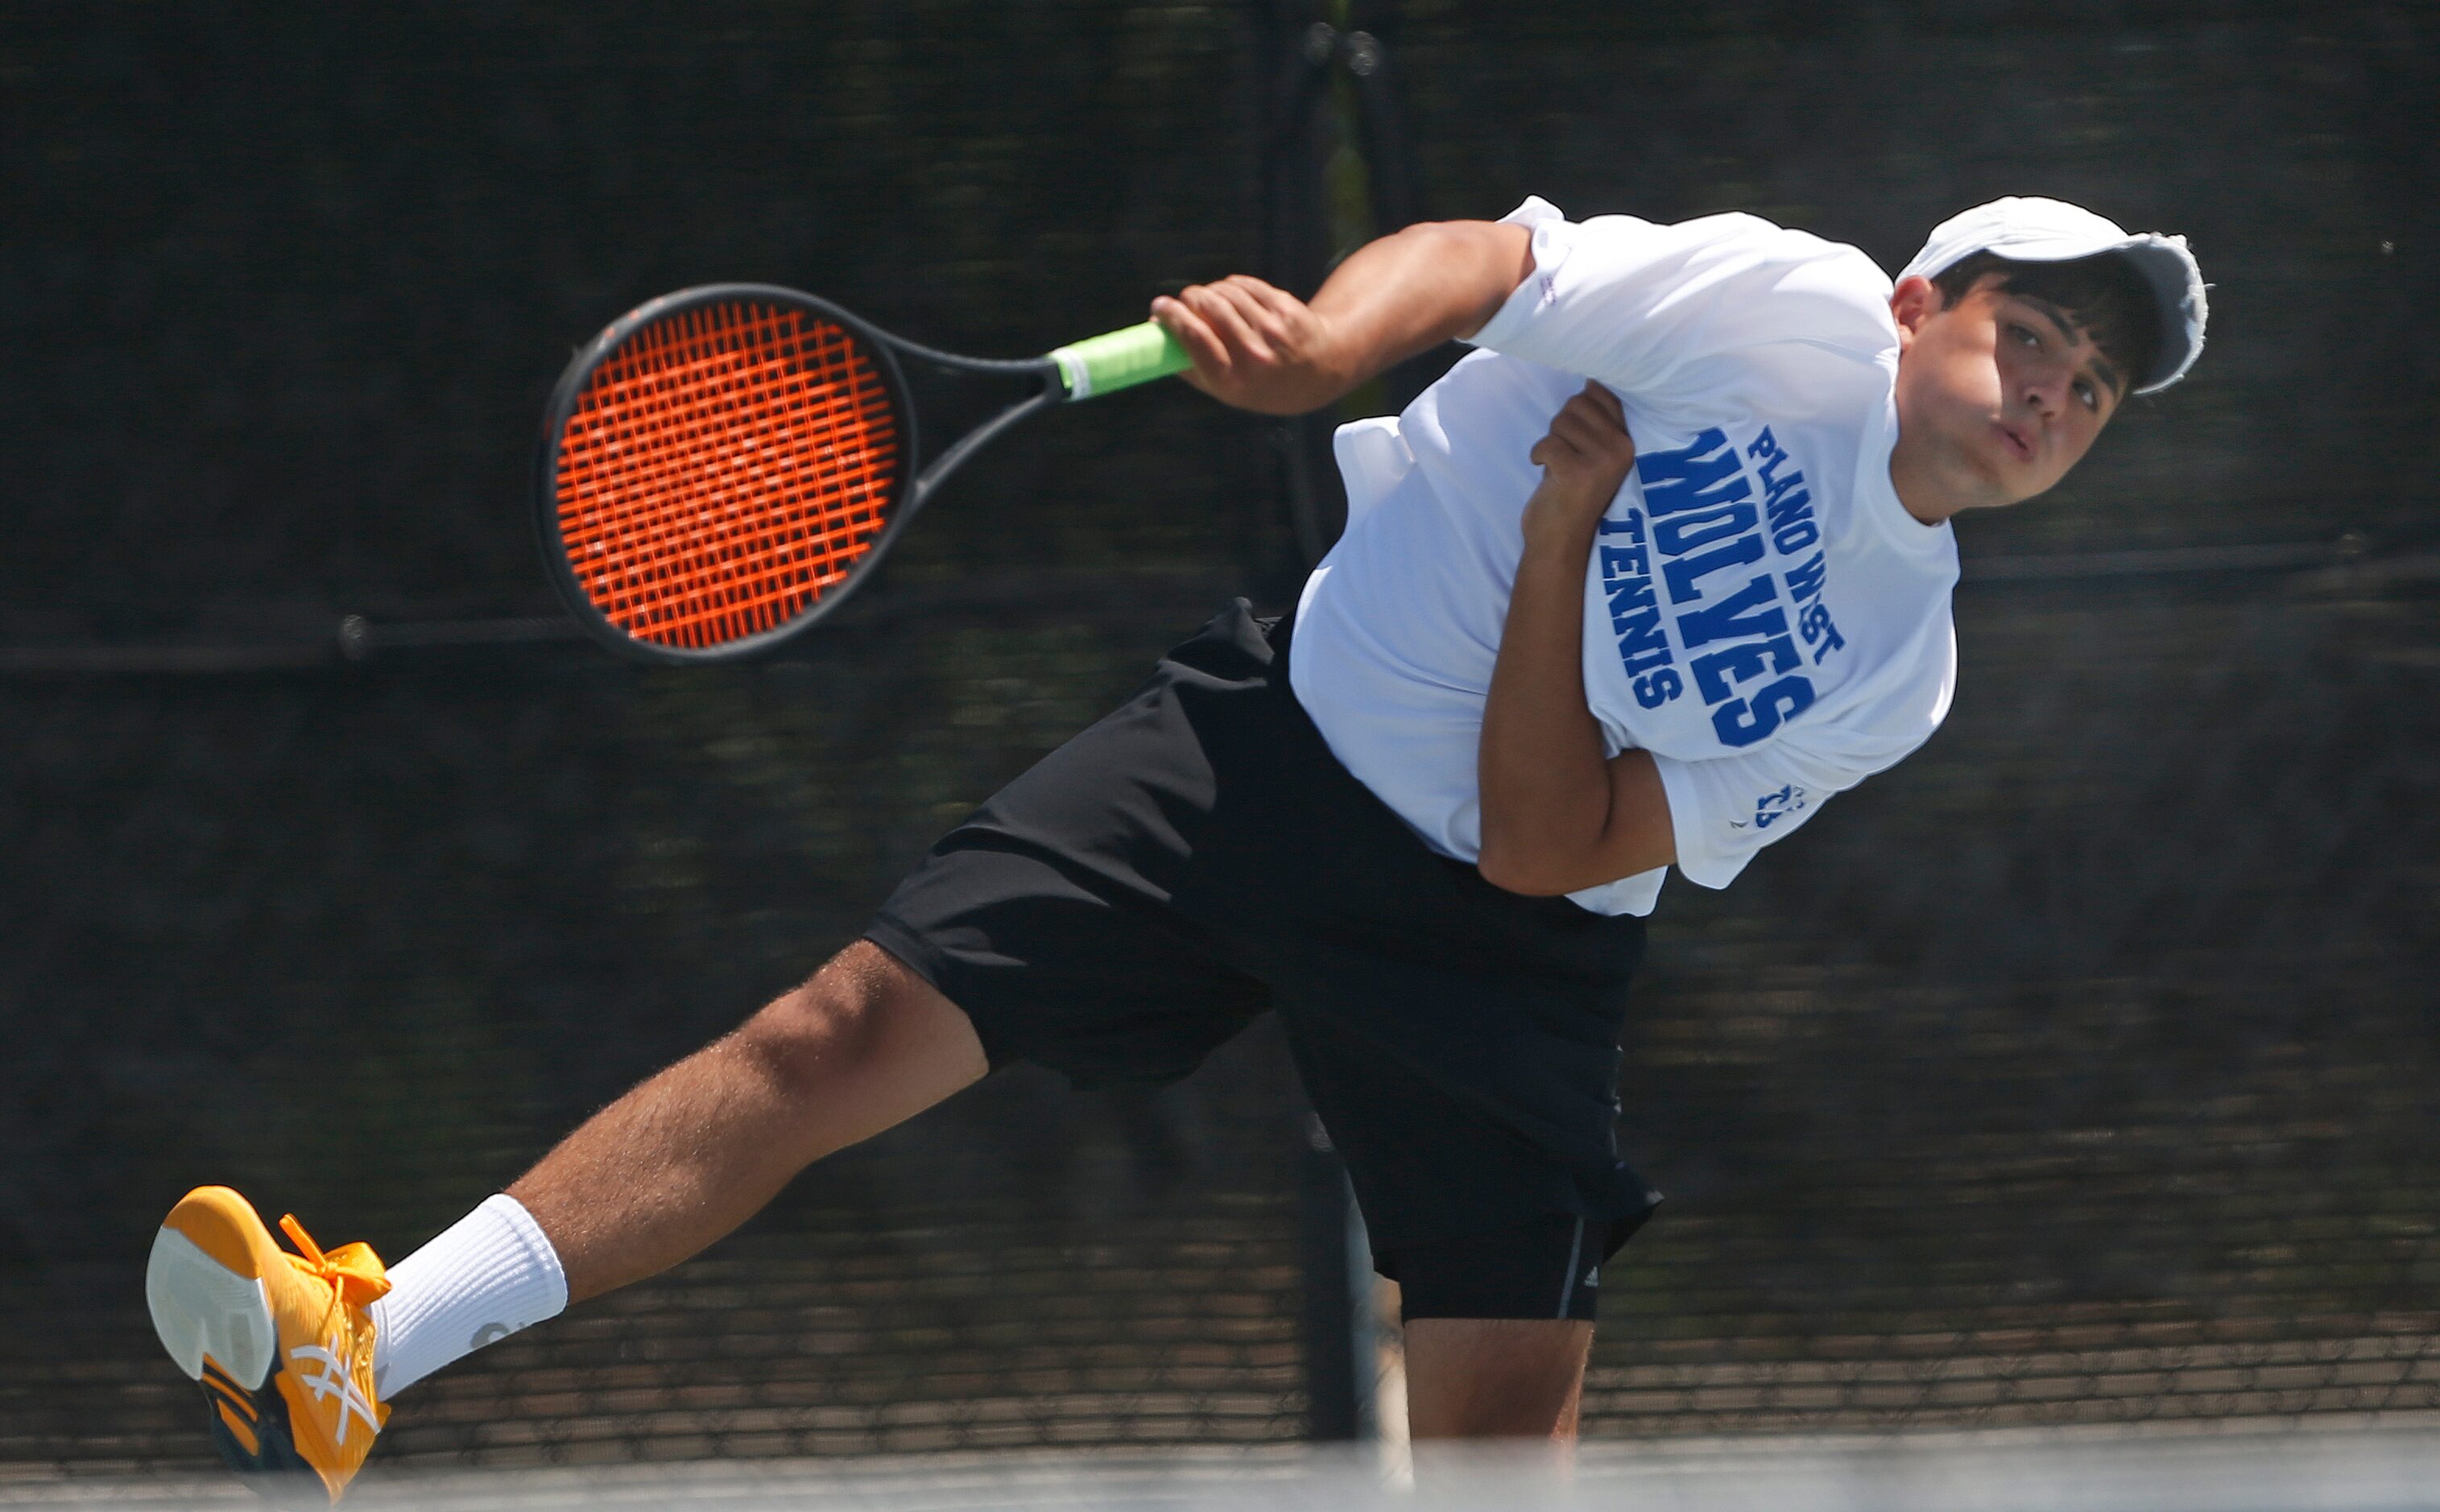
(1341, 1342)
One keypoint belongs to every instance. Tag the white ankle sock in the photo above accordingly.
(482, 1279)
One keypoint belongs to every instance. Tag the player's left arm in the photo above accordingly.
(1557, 816)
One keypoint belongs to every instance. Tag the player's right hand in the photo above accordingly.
(1584, 457)
(1254, 345)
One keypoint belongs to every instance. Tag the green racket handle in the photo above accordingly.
(1122, 359)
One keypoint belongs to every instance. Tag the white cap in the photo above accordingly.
(2037, 230)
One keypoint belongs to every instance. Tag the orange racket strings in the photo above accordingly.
(722, 468)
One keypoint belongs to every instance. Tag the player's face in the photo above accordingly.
(2003, 392)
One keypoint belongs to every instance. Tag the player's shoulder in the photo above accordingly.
(1737, 233)
(1824, 290)
(1800, 285)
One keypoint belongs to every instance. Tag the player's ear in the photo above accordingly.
(1911, 303)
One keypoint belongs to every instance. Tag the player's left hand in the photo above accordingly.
(1584, 457)
(1254, 345)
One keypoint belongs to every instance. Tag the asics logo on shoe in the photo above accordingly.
(334, 1381)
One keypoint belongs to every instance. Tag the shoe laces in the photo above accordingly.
(356, 1276)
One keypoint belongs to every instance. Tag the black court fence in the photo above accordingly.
(2077, 1071)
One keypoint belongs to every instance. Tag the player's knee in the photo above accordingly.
(829, 1030)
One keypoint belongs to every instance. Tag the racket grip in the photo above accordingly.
(1121, 359)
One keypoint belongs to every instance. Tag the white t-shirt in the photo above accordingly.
(1761, 613)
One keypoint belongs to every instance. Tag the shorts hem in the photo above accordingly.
(908, 947)
(1546, 1269)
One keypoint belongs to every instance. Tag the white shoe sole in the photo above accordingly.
(199, 1306)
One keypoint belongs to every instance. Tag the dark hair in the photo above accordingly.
(2104, 293)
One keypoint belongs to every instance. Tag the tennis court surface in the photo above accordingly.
(2353, 1469)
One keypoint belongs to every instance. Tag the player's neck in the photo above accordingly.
(1929, 489)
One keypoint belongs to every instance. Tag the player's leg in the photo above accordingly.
(1461, 1046)
(1498, 1307)
(298, 1354)
(683, 1158)
(700, 1147)
(1495, 1378)
(1498, 1319)
(1044, 917)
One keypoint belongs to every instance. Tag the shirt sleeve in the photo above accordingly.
(1725, 809)
(1628, 301)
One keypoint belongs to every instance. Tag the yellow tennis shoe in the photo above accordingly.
(281, 1344)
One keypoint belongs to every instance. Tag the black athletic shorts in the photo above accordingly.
(1199, 857)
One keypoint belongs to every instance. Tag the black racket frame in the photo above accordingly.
(887, 349)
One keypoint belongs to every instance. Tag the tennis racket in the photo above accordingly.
(724, 466)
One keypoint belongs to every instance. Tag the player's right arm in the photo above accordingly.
(1262, 349)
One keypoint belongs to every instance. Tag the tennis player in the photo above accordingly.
(1642, 581)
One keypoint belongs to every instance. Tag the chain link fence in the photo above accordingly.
(2074, 1074)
